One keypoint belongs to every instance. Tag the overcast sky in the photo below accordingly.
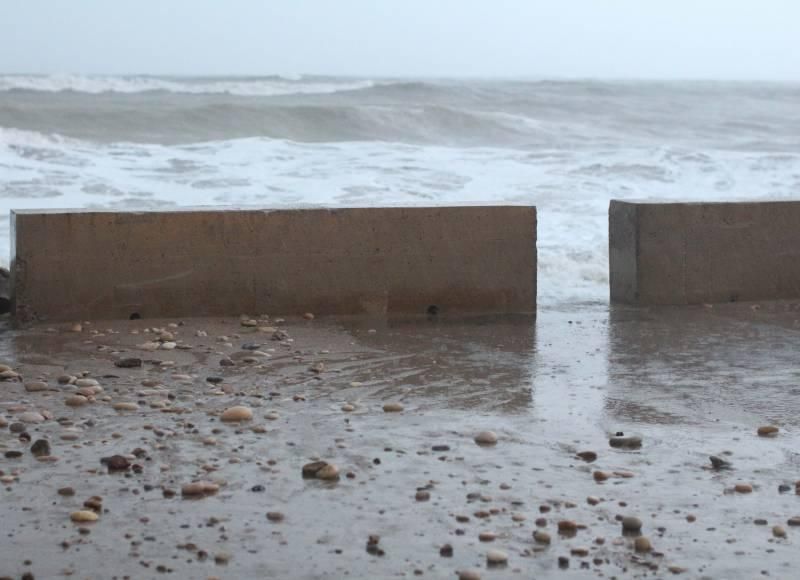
(738, 39)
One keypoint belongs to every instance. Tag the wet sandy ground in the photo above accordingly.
(690, 382)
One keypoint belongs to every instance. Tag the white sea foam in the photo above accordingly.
(244, 86)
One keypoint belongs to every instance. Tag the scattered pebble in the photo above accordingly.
(83, 516)
(392, 408)
(486, 438)
(237, 413)
(768, 431)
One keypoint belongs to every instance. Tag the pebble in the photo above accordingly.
(8, 375)
(36, 386)
(778, 531)
(487, 536)
(392, 408)
(631, 524)
(794, 521)
(642, 544)
(743, 488)
(587, 456)
(86, 383)
(275, 516)
(469, 575)
(83, 516)
(719, 463)
(123, 406)
(329, 472)
(75, 401)
(496, 558)
(66, 491)
(237, 413)
(422, 495)
(592, 500)
(128, 363)
(30, 417)
(272, 416)
(768, 431)
(348, 408)
(580, 552)
(630, 442)
(446, 551)
(486, 438)
(541, 537)
(199, 489)
(600, 476)
(40, 448)
(567, 527)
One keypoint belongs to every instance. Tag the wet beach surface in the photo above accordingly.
(416, 496)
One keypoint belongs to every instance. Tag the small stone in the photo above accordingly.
(587, 456)
(794, 521)
(631, 525)
(199, 489)
(719, 463)
(116, 463)
(329, 472)
(422, 495)
(83, 516)
(77, 327)
(347, 408)
(30, 417)
(226, 362)
(272, 416)
(125, 406)
(12, 454)
(275, 516)
(486, 438)
(8, 375)
(579, 552)
(600, 476)
(743, 488)
(128, 363)
(567, 527)
(446, 551)
(75, 401)
(563, 562)
(237, 413)
(310, 469)
(592, 500)
(642, 544)
(393, 408)
(84, 382)
(36, 386)
(768, 431)
(541, 537)
(169, 345)
(778, 531)
(676, 569)
(487, 536)
(66, 491)
(308, 316)
(40, 448)
(469, 575)
(496, 558)
(249, 322)
(629, 442)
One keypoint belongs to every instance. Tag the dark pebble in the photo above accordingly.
(128, 363)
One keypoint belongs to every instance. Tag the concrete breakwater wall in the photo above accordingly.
(694, 253)
(86, 264)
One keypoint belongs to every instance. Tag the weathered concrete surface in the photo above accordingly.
(694, 253)
(72, 265)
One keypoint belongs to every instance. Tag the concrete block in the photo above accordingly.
(73, 265)
(694, 253)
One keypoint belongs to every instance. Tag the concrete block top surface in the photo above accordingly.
(704, 252)
(203, 261)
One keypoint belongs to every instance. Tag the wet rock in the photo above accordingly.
(768, 431)
(496, 558)
(579, 552)
(328, 473)
(237, 413)
(94, 503)
(258, 488)
(563, 562)
(588, 456)
(310, 469)
(469, 575)
(128, 363)
(40, 448)
(642, 544)
(36, 386)
(76, 401)
(83, 516)
(631, 525)
(84, 382)
(9, 375)
(226, 362)
(422, 495)
(541, 537)
(116, 463)
(487, 536)
(66, 491)
(626, 442)
(743, 488)
(719, 463)
(778, 531)
(794, 521)
(393, 408)
(347, 408)
(567, 527)
(783, 488)
(446, 551)
(13, 454)
(592, 500)
(275, 517)
(199, 489)
(30, 417)
(600, 476)
(17, 427)
(486, 438)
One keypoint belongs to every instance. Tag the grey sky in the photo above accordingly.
(739, 39)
